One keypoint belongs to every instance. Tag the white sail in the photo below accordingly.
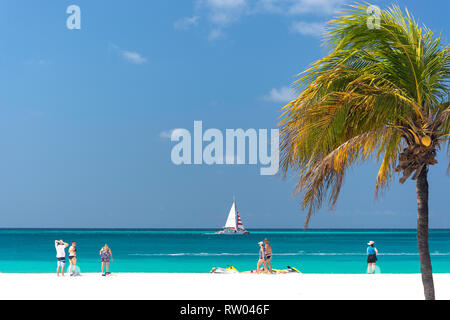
(232, 221)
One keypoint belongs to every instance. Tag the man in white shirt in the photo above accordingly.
(60, 247)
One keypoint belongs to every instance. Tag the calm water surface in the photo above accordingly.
(316, 251)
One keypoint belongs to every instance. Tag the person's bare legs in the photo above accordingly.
(62, 270)
(265, 266)
(373, 268)
(107, 267)
(57, 270)
(270, 265)
(103, 267)
(259, 265)
(72, 266)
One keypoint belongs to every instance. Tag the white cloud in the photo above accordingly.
(215, 34)
(298, 7)
(269, 6)
(319, 7)
(281, 95)
(186, 23)
(222, 13)
(133, 57)
(167, 134)
(130, 56)
(315, 29)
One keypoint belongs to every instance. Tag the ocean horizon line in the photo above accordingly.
(217, 228)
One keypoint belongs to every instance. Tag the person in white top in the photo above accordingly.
(60, 247)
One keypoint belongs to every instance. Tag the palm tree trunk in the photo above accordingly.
(422, 234)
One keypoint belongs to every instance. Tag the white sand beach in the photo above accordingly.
(215, 286)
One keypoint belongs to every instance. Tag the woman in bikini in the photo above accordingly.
(72, 258)
(105, 254)
(262, 258)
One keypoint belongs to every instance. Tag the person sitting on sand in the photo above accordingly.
(60, 247)
(268, 248)
(262, 258)
(372, 253)
(72, 258)
(105, 254)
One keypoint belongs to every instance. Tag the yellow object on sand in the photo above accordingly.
(275, 271)
(287, 270)
(231, 268)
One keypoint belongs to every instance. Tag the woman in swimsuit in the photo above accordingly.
(72, 257)
(262, 258)
(105, 254)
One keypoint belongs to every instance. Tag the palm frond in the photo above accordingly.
(377, 92)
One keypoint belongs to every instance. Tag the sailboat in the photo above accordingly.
(234, 223)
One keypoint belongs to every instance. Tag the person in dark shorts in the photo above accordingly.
(372, 253)
(60, 247)
(106, 255)
(268, 248)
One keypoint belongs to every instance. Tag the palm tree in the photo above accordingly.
(381, 93)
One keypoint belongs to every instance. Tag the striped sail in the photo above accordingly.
(234, 223)
(240, 225)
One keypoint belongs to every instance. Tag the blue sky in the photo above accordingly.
(84, 114)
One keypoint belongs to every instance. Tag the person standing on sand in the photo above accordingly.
(262, 258)
(268, 248)
(60, 247)
(105, 254)
(372, 253)
(72, 257)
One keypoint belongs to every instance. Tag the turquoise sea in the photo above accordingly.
(315, 251)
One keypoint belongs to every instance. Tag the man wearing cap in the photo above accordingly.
(372, 253)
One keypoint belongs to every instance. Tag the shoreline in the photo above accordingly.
(196, 286)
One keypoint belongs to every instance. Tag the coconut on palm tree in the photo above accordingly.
(380, 93)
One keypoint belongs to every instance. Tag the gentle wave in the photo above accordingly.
(301, 253)
(189, 254)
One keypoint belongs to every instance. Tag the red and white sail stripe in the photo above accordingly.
(240, 225)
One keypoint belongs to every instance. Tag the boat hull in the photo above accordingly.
(233, 232)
